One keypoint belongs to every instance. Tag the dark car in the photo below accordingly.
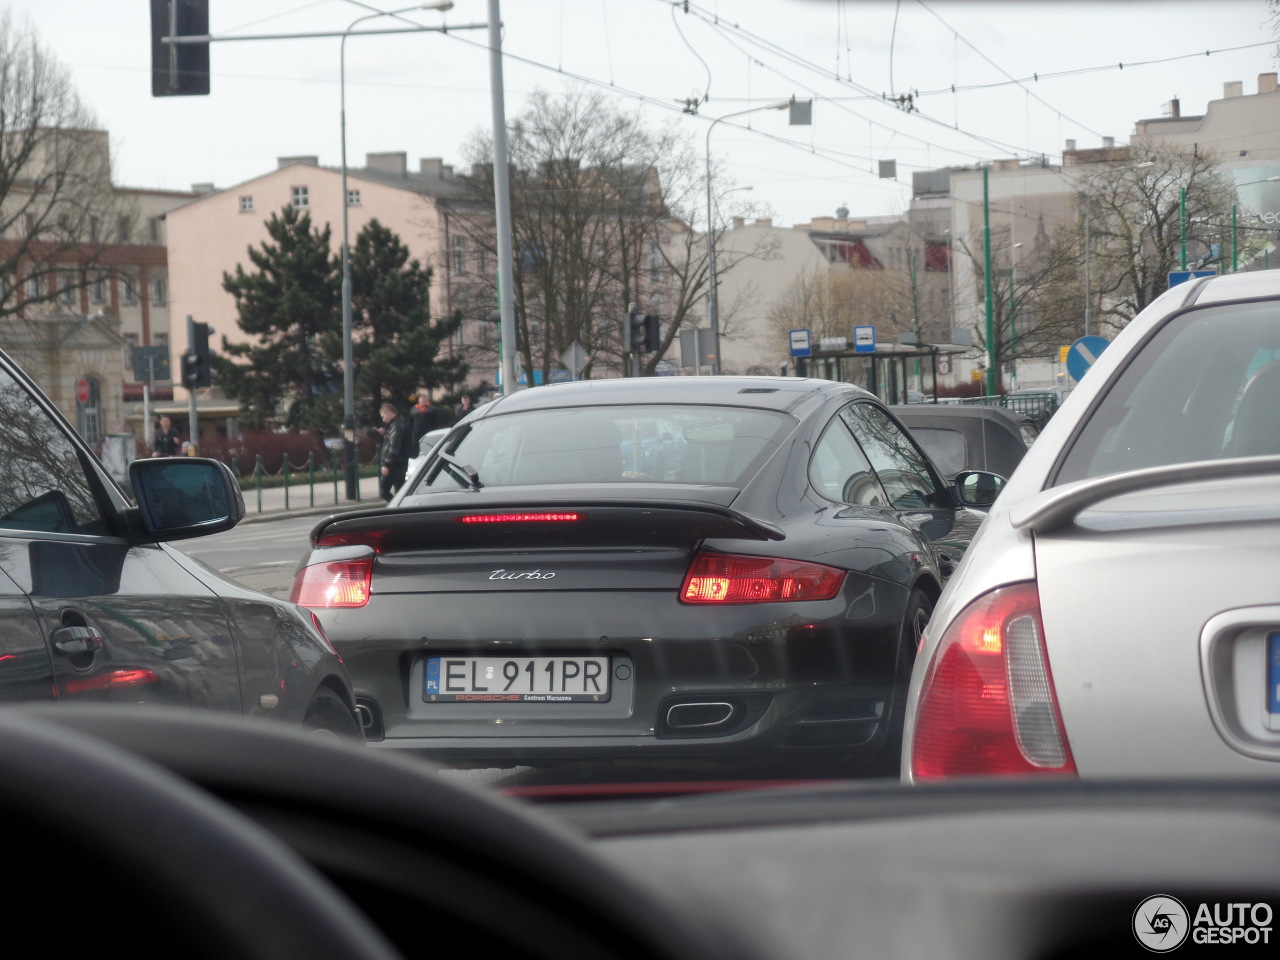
(95, 607)
(665, 567)
(969, 437)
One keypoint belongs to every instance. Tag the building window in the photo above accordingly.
(66, 289)
(153, 229)
(130, 291)
(123, 230)
(34, 287)
(301, 199)
(459, 257)
(353, 198)
(29, 224)
(130, 342)
(95, 230)
(160, 338)
(482, 260)
(98, 290)
(158, 292)
(246, 204)
(655, 263)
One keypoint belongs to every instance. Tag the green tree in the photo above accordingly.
(291, 306)
(396, 345)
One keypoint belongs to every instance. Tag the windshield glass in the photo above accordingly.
(664, 444)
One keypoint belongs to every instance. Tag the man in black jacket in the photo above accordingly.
(423, 418)
(394, 462)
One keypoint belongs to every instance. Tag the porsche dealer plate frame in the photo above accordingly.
(464, 679)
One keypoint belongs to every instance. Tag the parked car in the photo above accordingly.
(960, 438)
(1118, 615)
(732, 567)
(94, 606)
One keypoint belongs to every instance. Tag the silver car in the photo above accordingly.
(1119, 613)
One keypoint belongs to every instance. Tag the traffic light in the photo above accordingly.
(643, 332)
(196, 370)
(179, 69)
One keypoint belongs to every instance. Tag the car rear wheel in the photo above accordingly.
(329, 715)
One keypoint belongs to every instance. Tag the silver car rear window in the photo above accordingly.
(1205, 387)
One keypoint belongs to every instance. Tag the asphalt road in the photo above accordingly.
(259, 555)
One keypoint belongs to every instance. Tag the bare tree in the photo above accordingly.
(1035, 298)
(57, 205)
(1137, 218)
(604, 212)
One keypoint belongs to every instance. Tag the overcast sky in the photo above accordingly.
(426, 94)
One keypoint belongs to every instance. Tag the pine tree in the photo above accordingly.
(397, 346)
(291, 305)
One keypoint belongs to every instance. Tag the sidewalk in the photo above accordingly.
(273, 505)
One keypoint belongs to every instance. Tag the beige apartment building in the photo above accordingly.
(826, 276)
(210, 235)
(92, 279)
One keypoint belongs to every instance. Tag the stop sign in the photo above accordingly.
(82, 389)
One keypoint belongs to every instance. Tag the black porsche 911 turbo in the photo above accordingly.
(737, 567)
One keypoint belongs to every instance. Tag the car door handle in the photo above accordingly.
(74, 640)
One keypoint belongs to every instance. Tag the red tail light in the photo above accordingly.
(987, 705)
(721, 578)
(362, 538)
(341, 583)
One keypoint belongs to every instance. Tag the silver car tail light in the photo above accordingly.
(987, 705)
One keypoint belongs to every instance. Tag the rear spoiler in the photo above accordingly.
(1059, 506)
(631, 520)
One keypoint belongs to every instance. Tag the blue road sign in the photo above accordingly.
(801, 343)
(864, 339)
(1083, 354)
(1182, 276)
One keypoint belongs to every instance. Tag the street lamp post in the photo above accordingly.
(348, 350)
(713, 303)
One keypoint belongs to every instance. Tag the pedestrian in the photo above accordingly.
(394, 462)
(423, 418)
(465, 406)
(166, 439)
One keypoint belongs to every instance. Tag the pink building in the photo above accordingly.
(212, 233)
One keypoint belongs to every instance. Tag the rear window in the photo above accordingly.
(640, 444)
(1205, 387)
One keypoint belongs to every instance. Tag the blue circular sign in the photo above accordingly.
(1083, 354)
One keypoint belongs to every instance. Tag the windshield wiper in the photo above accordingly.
(464, 473)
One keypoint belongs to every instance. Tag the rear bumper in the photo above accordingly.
(732, 681)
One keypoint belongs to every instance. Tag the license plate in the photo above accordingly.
(517, 679)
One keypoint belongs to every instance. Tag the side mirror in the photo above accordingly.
(183, 497)
(977, 488)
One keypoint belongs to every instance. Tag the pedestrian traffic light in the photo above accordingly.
(196, 367)
(179, 69)
(643, 332)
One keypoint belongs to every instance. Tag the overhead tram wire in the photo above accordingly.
(723, 25)
(818, 96)
(1051, 75)
(975, 49)
(825, 153)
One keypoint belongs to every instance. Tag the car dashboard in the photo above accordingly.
(408, 860)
